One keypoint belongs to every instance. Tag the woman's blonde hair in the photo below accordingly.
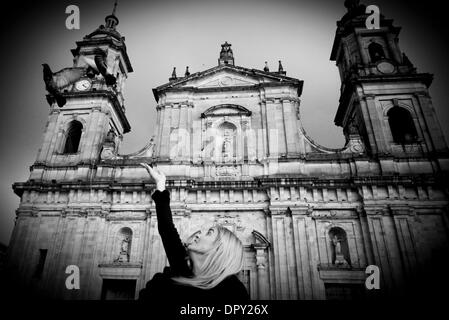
(224, 259)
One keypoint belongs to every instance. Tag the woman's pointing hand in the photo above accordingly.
(158, 177)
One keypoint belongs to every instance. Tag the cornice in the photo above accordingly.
(112, 42)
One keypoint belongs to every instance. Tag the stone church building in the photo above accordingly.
(231, 143)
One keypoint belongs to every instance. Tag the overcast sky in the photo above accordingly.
(163, 34)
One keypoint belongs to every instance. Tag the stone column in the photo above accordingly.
(376, 115)
(271, 130)
(197, 139)
(262, 135)
(366, 236)
(29, 251)
(348, 57)
(251, 141)
(280, 126)
(95, 281)
(101, 124)
(89, 133)
(189, 127)
(403, 223)
(165, 133)
(157, 131)
(174, 145)
(184, 133)
(394, 48)
(291, 130)
(49, 144)
(304, 234)
(286, 285)
(366, 106)
(263, 286)
(87, 250)
(364, 56)
(385, 248)
(430, 126)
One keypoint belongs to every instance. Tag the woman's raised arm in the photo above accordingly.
(174, 248)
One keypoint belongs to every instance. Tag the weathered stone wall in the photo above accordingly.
(394, 226)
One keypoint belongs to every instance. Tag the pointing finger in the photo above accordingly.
(146, 166)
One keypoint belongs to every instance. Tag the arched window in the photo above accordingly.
(401, 125)
(339, 246)
(376, 52)
(73, 137)
(123, 244)
(228, 141)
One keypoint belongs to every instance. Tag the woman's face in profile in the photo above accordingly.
(202, 240)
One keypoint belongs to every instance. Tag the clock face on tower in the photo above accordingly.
(83, 85)
(385, 67)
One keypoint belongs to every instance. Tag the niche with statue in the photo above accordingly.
(339, 247)
(123, 245)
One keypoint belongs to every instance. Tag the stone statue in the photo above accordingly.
(150, 149)
(338, 257)
(352, 128)
(226, 148)
(109, 147)
(110, 136)
(124, 250)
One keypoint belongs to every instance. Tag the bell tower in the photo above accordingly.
(383, 97)
(87, 109)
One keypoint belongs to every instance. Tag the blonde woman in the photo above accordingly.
(203, 268)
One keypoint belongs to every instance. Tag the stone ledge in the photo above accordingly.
(344, 274)
(120, 270)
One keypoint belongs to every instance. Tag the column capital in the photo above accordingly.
(261, 261)
(301, 211)
(369, 97)
(421, 94)
(267, 212)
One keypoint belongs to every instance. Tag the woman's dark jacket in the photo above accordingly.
(162, 288)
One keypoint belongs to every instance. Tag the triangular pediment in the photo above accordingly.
(227, 76)
(230, 76)
(224, 79)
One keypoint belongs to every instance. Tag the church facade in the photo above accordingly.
(230, 140)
